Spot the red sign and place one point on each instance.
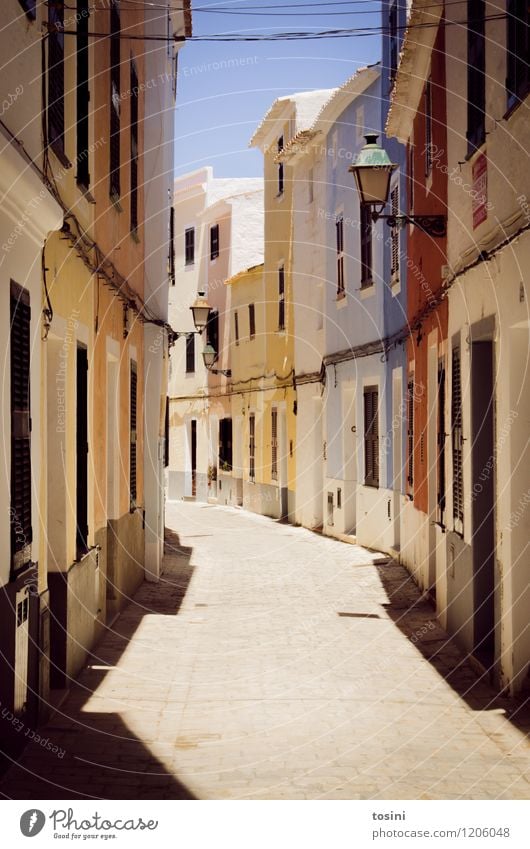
(479, 192)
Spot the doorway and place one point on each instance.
(483, 500)
(194, 457)
(82, 453)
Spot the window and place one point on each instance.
(189, 245)
(132, 436)
(394, 235)
(457, 443)
(236, 327)
(190, 353)
(310, 186)
(280, 167)
(428, 128)
(171, 257)
(115, 89)
(166, 435)
(366, 246)
(274, 444)
(339, 233)
(410, 437)
(440, 495)
(134, 148)
(214, 241)
(411, 179)
(251, 321)
(225, 445)
(212, 330)
(371, 436)
(81, 465)
(393, 42)
(252, 446)
(82, 94)
(476, 80)
(281, 298)
(20, 512)
(56, 80)
(29, 8)
(518, 51)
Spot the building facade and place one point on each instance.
(83, 304)
(472, 493)
(218, 233)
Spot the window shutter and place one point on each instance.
(476, 80)
(212, 330)
(236, 327)
(133, 443)
(281, 298)
(82, 93)
(517, 50)
(428, 128)
(274, 444)
(441, 443)
(252, 446)
(457, 442)
(56, 78)
(214, 241)
(394, 258)
(410, 435)
(366, 246)
(190, 353)
(280, 168)
(134, 150)
(371, 436)
(252, 320)
(115, 93)
(339, 231)
(189, 244)
(21, 528)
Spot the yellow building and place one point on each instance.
(287, 117)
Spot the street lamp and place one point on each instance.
(209, 356)
(372, 172)
(200, 310)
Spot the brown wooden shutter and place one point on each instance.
(476, 79)
(274, 444)
(82, 93)
(115, 94)
(371, 436)
(366, 246)
(133, 435)
(410, 435)
(134, 152)
(21, 528)
(252, 446)
(394, 252)
(441, 443)
(56, 78)
(457, 442)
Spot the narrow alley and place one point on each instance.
(271, 663)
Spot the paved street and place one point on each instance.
(271, 662)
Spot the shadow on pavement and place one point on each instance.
(95, 754)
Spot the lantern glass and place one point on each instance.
(372, 172)
(200, 311)
(209, 356)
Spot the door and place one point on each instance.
(82, 453)
(194, 457)
(483, 507)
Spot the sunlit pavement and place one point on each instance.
(270, 662)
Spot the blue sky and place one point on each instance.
(224, 89)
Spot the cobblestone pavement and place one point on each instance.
(271, 662)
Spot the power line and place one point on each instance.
(354, 32)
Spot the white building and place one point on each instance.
(488, 568)
(218, 233)
(159, 122)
